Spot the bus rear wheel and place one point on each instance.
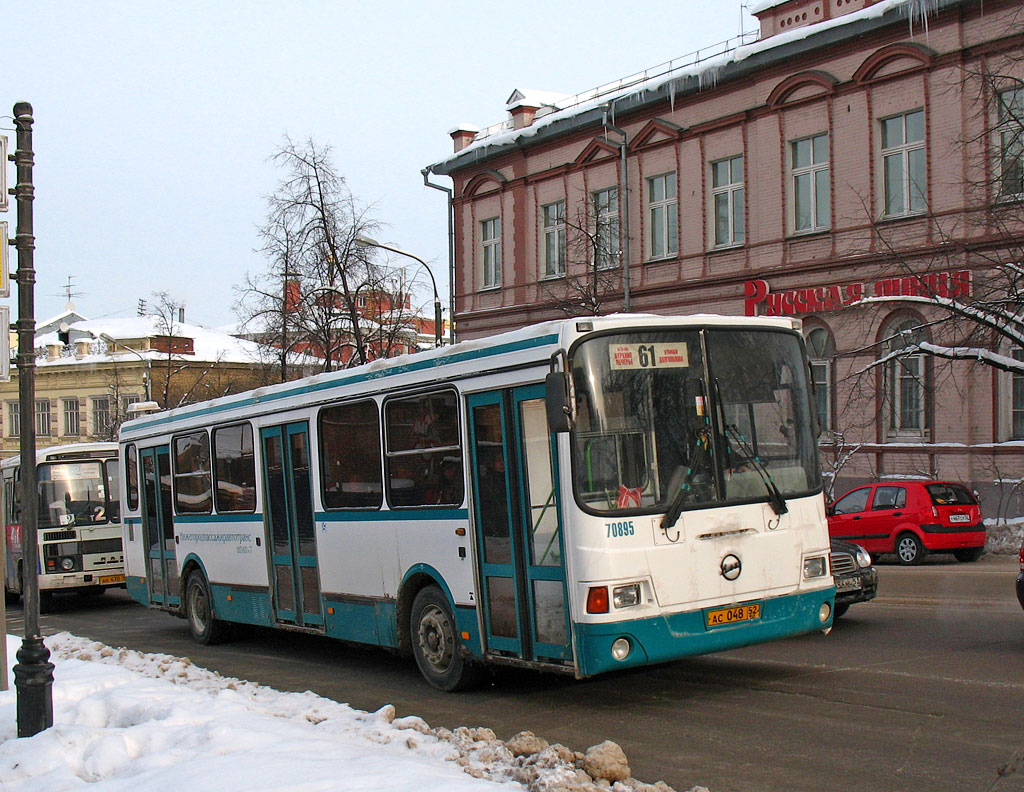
(204, 627)
(434, 643)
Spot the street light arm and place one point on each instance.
(148, 361)
(364, 241)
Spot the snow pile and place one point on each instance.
(1004, 537)
(124, 721)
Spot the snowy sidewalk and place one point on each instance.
(129, 721)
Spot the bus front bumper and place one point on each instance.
(673, 636)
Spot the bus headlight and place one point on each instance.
(626, 596)
(67, 564)
(621, 648)
(815, 567)
(824, 612)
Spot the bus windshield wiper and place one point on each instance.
(675, 508)
(775, 499)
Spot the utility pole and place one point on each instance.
(33, 673)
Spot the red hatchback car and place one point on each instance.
(910, 519)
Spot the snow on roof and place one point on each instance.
(696, 65)
(534, 98)
(764, 5)
(207, 345)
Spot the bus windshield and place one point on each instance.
(75, 493)
(695, 418)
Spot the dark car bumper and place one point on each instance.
(1020, 588)
(861, 586)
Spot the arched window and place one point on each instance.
(821, 349)
(904, 387)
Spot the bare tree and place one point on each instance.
(592, 256)
(322, 294)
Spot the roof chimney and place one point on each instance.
(463, 135)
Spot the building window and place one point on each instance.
(811, 205)
(821, 349)
(101, 416)
(664, 216)
(553, 215)
(727, 199)
(1017, 403)
(43, 417)
(71, 418)
(606, 228)
(903, 164)
(490, 235)
(13, 419)
(1011, 144)
(904, 380)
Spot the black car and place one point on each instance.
(856, 579)
(1020, 577)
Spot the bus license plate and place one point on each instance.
(109, 579)
(720, 616)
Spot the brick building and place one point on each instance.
(856, 148)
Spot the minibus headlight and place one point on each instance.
(815, 567)
(621, 648)
(824, 612)
(67, 564)
(626, 596)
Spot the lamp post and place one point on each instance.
(33, 673)
(113, 342)
(365, 241)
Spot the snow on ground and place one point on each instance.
(1004, 536)
(127, 721)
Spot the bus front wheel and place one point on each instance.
(434, 642)
(204, 627)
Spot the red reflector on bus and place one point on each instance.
(597, 600)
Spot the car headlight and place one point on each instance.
(863, 557)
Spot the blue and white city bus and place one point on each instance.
(576, 496)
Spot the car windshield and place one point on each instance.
(719, 415)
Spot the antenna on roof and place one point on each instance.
(69, 293)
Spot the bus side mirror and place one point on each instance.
(558, 402)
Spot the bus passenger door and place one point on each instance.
(518, 526)
(289, 520)
(158, 526)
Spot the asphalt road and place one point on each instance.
(922, 689)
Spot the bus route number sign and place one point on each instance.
(722, 616)
(648, 356)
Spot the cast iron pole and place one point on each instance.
(33, 673)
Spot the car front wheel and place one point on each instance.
(909, 549)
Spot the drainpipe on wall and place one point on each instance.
(609, 112)
(451, 251)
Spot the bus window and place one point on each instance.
(131, 463)
(350, 456)
(424, 457)
(193, 491)
(236, 468)
(113, 469)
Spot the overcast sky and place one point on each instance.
(154, 122)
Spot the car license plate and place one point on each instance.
(738, 613)
(850, 584)
(959, 518)
(106, 580)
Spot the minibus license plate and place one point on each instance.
(108, 579)
(720, 616)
